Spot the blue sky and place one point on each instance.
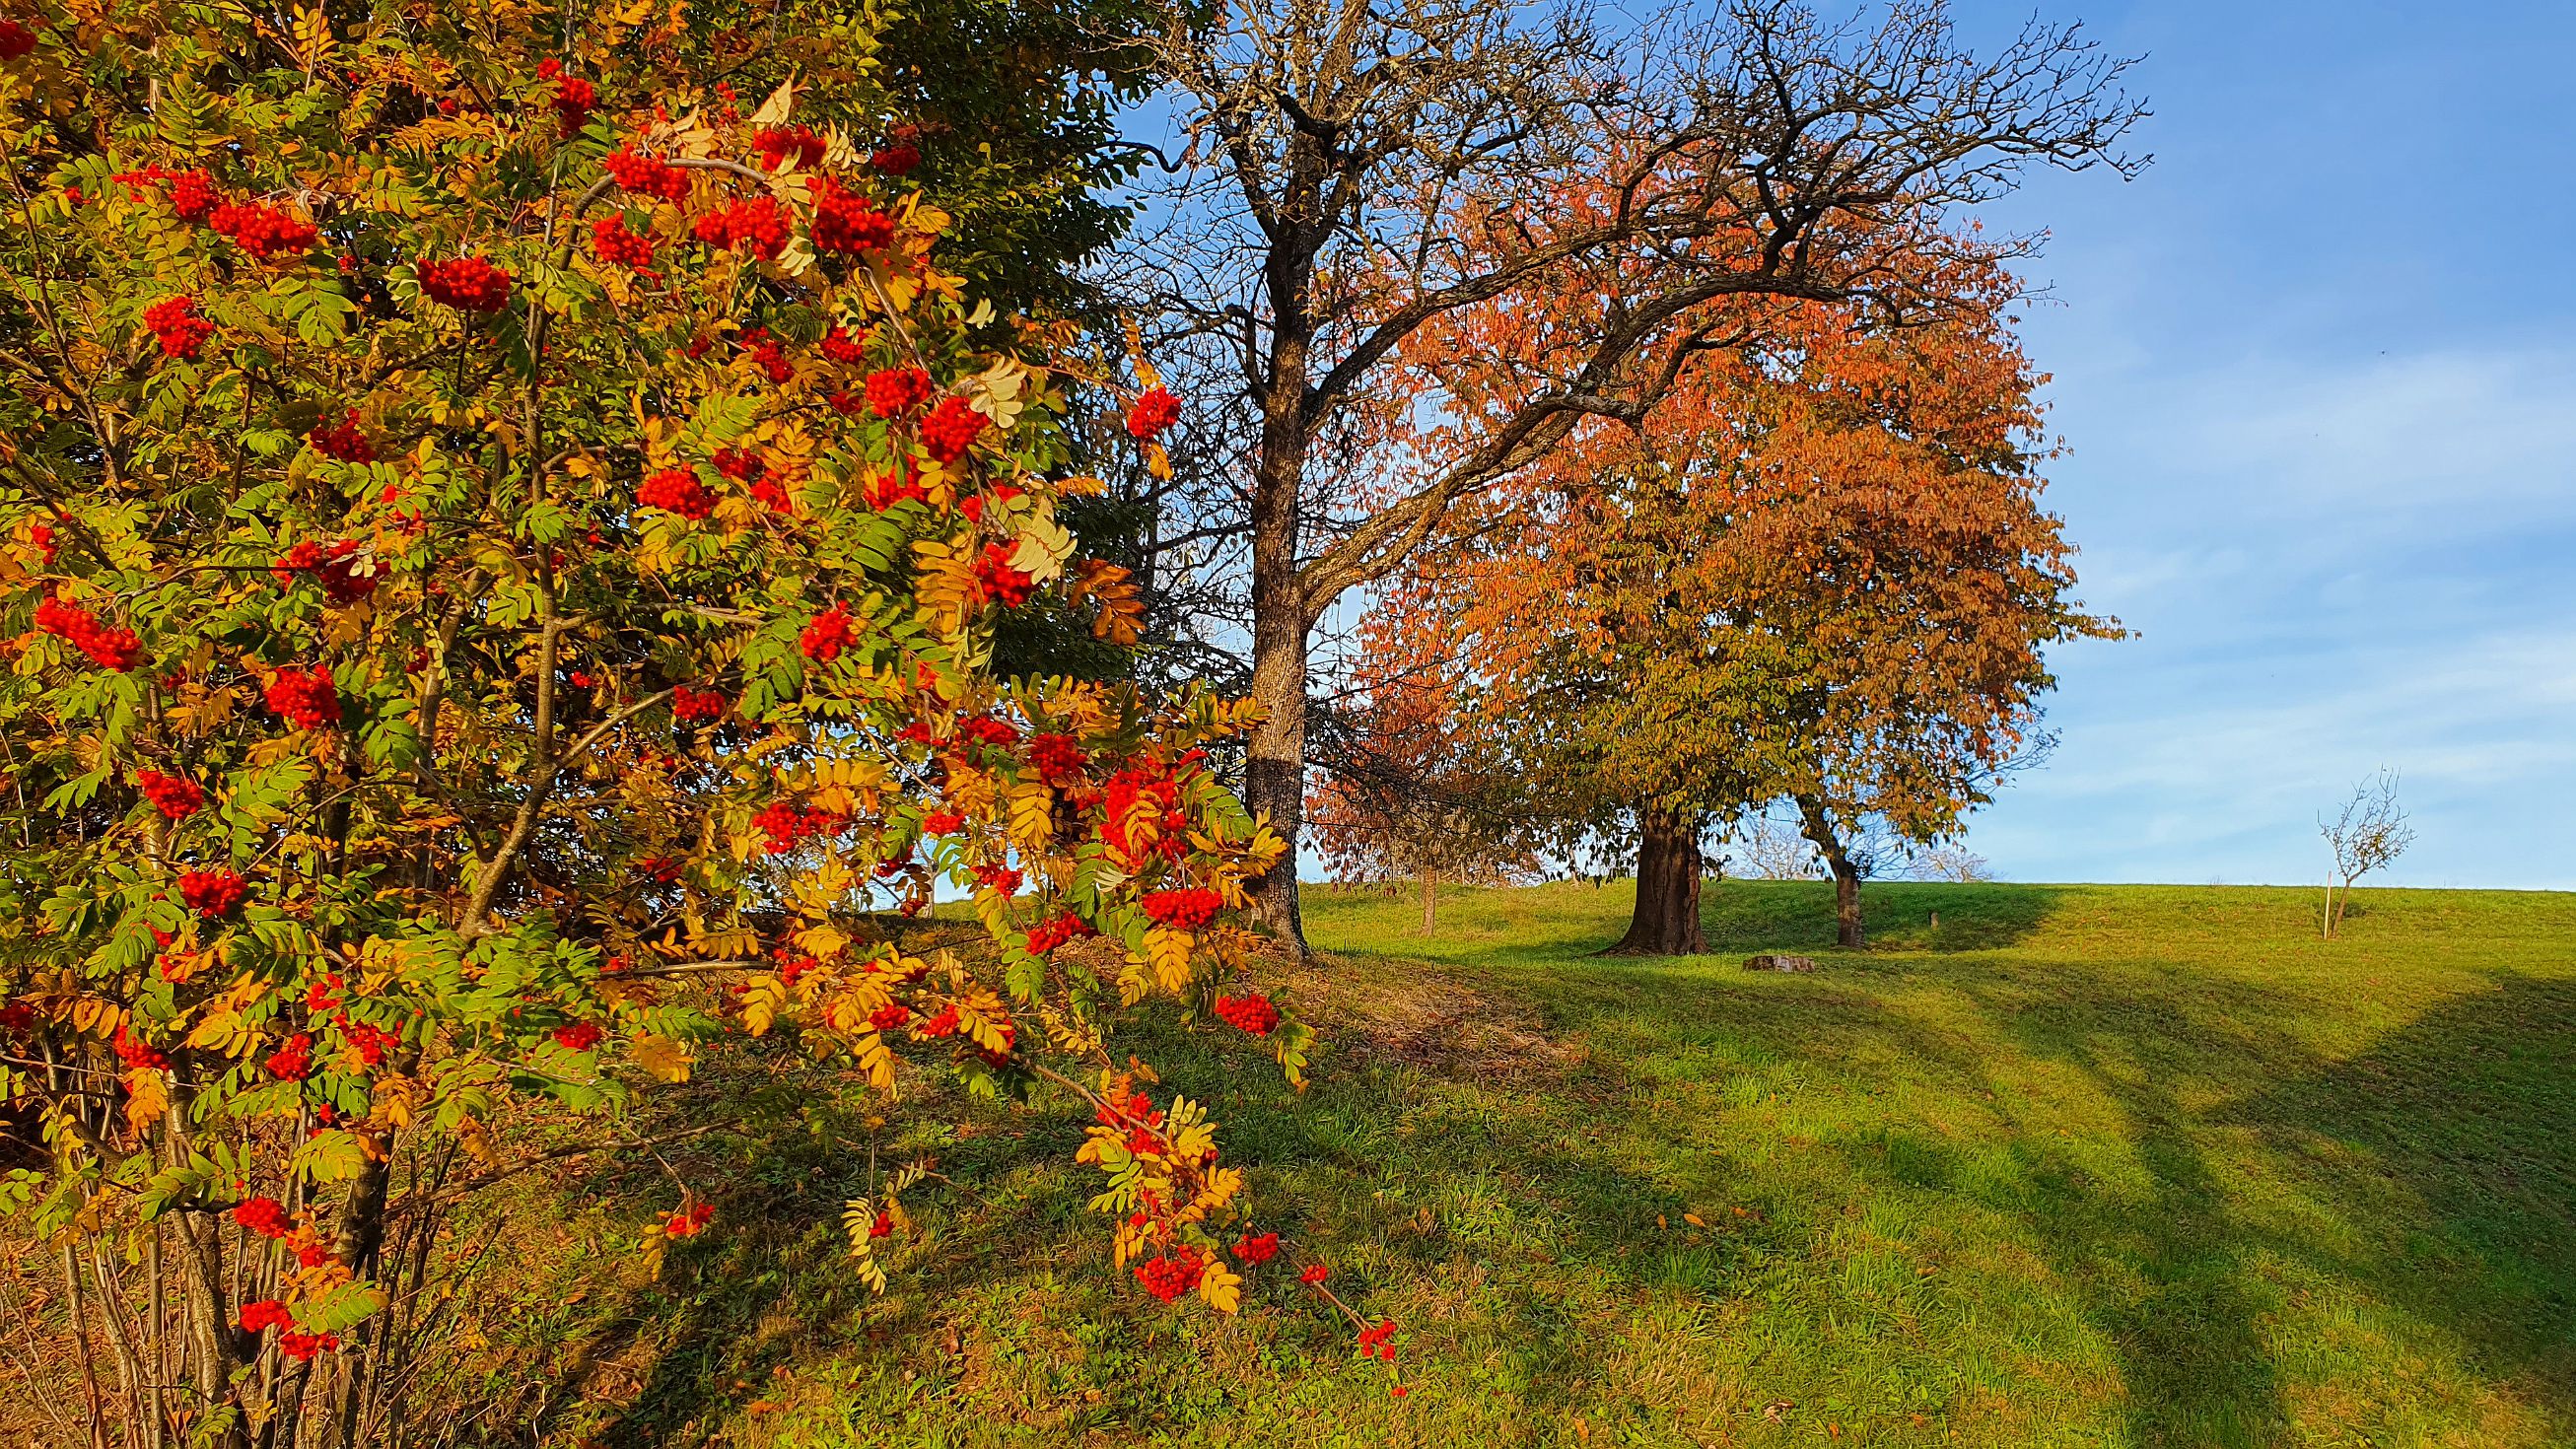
(2318, 371)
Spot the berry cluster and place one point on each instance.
(696, 706)
(1059, 761)
(789, 826)
(107, 646)
(767, 354)
(1373, 1341)
(1000, 879)
(177, 327)
(1184, 910)
(304, 697)
(1252, 1013)
(263, 231)
(689, 1221)
(265, 1216)
(335, 568)
(293, 1060)
(572, 102)
(896, 159)
(825, 635)
(137, 1054)
(1170, 1276)
(1153, 412)
(842, 345)
(845, 221)
(759, 226)
(942, 822)
(1002, 581)
(612, 243)
(579, 1036)
(213, 894)
(302, 1346)
(175, 796)
(780, 145)
(647, 175)
(1047, 935)
(1256, 1250)
(468, 284)
(890, 1016)
(676, 490)
(951, 429)
(15, 40)
(897, 390)
(368, 1040)
(267, 1313)
(1143, 816)
(885, 490)
(343, 441)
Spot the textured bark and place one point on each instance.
(1666, 921)
(1430, 900)
(1848, 931)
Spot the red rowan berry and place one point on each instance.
(612, 243)
(468, 284)
(1153, 412)
(779, 145)
(1002, 581)
(647, 175)
(676, 490)
(825, 635)
(847, 222)
(1254, 1014)
(896, 159)
(264, 1216)
(213, 894)
(305, 698)
(897, 390)
(176, 797)
(951, 429)
(580, 1036)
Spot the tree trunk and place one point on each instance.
(1275, 770)
(1666, 922)
(1848, 932)
(1430, 899)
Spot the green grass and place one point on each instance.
(2078, 1165)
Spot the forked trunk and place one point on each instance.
(1848, 932)
(1666, 922)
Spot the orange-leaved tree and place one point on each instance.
(502, 552)
(1817, 570)
(1415, 786)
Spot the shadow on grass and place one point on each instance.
(1748, 916)
(2455, 1139)
(2442, 1161)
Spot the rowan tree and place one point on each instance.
(504, 544)
(1819, 571)
(1358, 172)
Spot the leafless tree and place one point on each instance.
(2368, 833)
(1353, 172)
(1767, 849)
(1949, 861)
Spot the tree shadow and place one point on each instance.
(1748, 916)
(2449, 1148)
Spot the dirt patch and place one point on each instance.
(1426, 1017)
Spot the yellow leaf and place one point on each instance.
(1168, 951)
(774, 111)
(1221, 1287)
(1694, 1220)
(663, 1057)
(1032, 814)
(147, 1096)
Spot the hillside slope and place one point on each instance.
(2080, 1166)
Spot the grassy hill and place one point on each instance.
(2076, 1165)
